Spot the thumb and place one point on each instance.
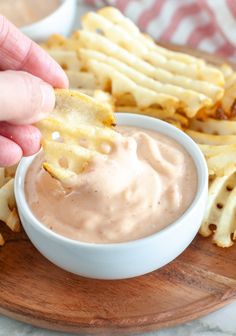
(24, 98)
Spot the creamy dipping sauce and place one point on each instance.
(144, 184)
(25, 12)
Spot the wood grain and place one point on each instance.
(33, 290)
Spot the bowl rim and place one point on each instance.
(34, 23)
(202, 184)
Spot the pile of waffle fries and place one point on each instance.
(124, 70)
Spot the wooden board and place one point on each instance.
(33, 290)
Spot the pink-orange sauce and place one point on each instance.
(145, 183)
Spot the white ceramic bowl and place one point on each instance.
(58, 22)
(128, 259)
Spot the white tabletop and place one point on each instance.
(220, 323)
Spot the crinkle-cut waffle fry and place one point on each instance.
(189, 101)
(180, 119)
(77, 128)
(177, 83)
(97, 23)
(220, 210)
(117, 18)
(121, 84)
(226, 70)
(104, 98)
(68, 60)
(65, 160)
(229, 99)
(101, 96)
(213, 126)
(81, 80)
(59, 42)
(76, 108)
(10, 171)
(8, 213)
(220, 162)
(219, 158)
(6, 174)
(211, 139)
(92, 137)
(210, 151)
(164, 71)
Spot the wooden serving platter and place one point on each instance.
(33, 290)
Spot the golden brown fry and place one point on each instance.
(229, 99)
(189, 100)
(8, 213)
(81, 80)
(93, 22)
(59, 42)
(68, 60)
(116, 17)
(120, 85)
(76, 129)
(214, 126)
(221, 209)
(210, 139)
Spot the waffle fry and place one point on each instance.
(188, 100)
(68, 60)
(210, 139)
(220, 210)
(81, 80)
(94, 22)
(8, 212)
(127, 63)
(59, 42)
(117, 18)
(120, 85)
(192, 94)
(159, 76)
(217, 140)
(82, 126)
(219, 158)
(213, 126)
(229, 99)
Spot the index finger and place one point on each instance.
(18, 52)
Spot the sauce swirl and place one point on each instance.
(145, 183)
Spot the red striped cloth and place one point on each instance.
(208, 25)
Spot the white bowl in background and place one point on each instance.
(127, 259)
(60, 21)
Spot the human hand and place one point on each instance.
(27, 77)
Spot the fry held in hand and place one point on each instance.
(76, 129)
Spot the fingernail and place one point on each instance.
(48, 98)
